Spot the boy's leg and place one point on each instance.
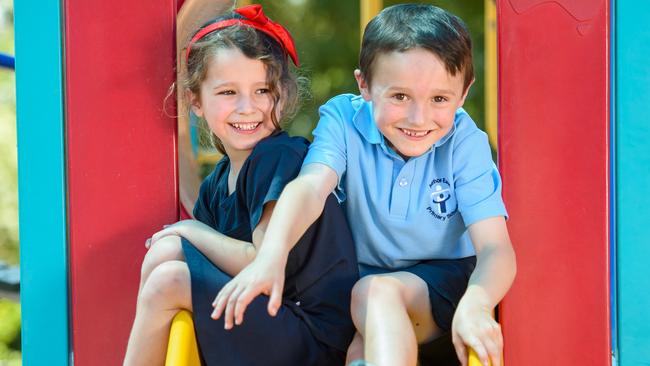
(165, 292)
(355, 350)
(392, 313)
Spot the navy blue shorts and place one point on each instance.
(446, 280)
(261, 339)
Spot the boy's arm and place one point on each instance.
(495, 270)
(230, 255)
(300, 204)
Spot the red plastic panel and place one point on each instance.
(122, 180)
(554, 155)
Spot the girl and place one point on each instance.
(238, 80)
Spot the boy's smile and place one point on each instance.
(414, 99)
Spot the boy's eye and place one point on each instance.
(400, 97)
(439, 99)
(226, 92)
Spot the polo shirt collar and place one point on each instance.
(365, 123)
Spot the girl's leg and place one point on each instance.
(166, 249)
(392, 313)
(165, 292)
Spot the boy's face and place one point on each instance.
(414, 99)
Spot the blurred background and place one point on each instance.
(9, 299)
(327, 34)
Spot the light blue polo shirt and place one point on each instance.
(402, 212)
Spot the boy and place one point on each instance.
(420, 190)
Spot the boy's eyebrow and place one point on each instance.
(434, 91)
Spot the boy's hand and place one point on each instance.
(265, 275)
(180, 228)
(473, 326)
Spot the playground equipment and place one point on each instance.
(98, 173)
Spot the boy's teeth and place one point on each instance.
(415, 133)
(245, 126)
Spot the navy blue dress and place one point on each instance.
(313, 326)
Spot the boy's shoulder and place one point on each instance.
(346, 103)
(464, 126)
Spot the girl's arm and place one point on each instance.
(230, 255)
(495, 270)
(300, 204)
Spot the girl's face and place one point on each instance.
(236, 102)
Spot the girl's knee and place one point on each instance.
(168, 285)
(166, 249)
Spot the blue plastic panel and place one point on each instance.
(633, 179)
(41, 183)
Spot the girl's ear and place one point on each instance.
(364, 88)
(195, 103)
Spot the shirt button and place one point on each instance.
(298, 303)
(403, 182)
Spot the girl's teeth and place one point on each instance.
(245, 126)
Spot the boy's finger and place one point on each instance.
(220, 301)
(228, 317)
(494, 351)
(147, 243)
(245, 298)
(275, 299)
(480, 350)
(461, 351)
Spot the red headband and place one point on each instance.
(254, 17)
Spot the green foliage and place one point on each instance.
(8, 157)
(9, 332)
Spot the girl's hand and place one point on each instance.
(473, 326)
(263, 276)
(180, 228)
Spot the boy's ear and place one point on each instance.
(364, 88)
(462, 100)
(195, 103)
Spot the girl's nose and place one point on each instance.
(245, 105)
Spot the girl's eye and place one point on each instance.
(226, 92)
(439, 99)
(400, 97)
(263, 91)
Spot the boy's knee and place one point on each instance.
(375, 288)
(166, 284)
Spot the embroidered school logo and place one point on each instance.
(442, 204)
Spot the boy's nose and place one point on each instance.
(417, 115)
